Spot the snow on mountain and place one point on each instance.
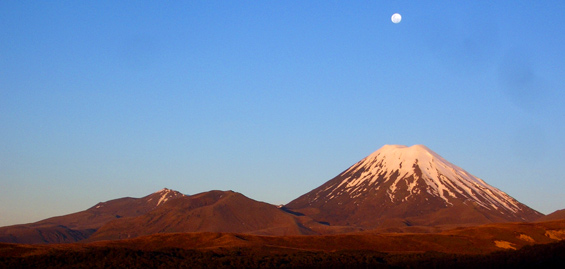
(164, 195)
(442, 178)
(407, 182)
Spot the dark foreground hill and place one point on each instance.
(516, 245)
(536, 256)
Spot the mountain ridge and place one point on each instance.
(81, 225)
(394, 189)
(167, 211)
(212, 211)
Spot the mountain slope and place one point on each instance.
(213, 211)
(78, 226)
(557, 215)
(404, 186)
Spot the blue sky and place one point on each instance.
(106, 99)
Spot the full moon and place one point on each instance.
(396, 18)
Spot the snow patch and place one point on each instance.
(166, 194)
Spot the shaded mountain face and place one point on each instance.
(405, 186)
(78, 226)
(214, 211)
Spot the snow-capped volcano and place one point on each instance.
(413, 185)
(441, 178)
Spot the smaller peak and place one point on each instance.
(165, 194)
(164, 190)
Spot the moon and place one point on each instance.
(396, 18)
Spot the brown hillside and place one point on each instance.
(214, 211)
(557, 215)
(78, 226)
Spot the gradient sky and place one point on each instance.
(107, 99)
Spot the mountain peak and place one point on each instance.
(397, 176)
(164, 195)
(417, 162)
(403, 153)
(417, 147)
(165, 190)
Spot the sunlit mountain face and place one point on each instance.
(404, 186)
